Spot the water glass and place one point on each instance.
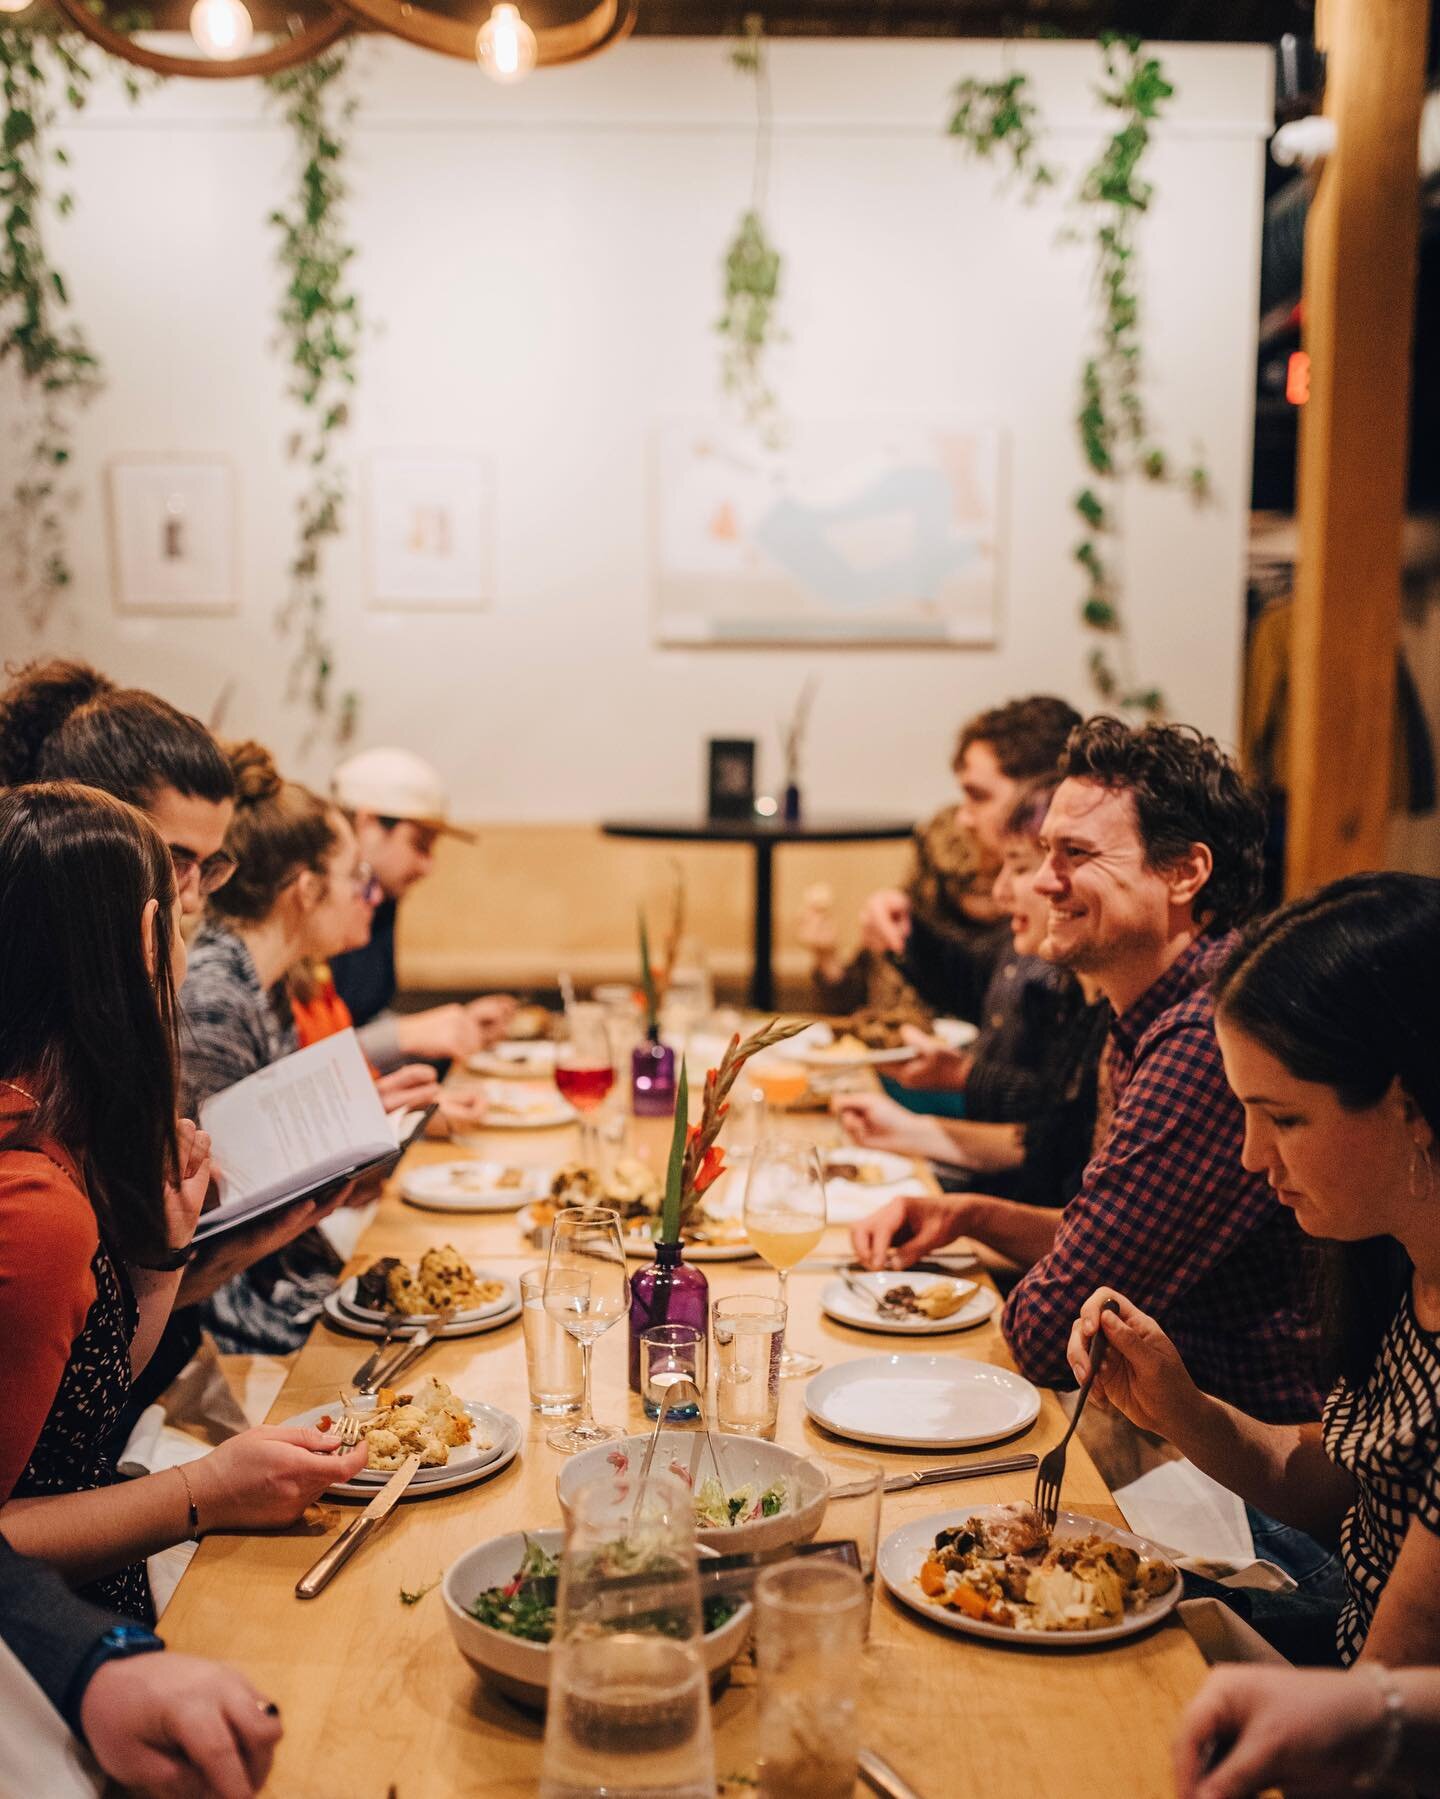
(586, 1291)
(670, 1353)
(629, 1710)
(852, 1512)
(552, 1356)
(749, 1333)
(809, 1636)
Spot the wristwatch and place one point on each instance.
(177, 1258)
(120, 1641)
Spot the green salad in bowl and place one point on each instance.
(525, 1605)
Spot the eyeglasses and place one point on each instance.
(367, 884)
(213, 872)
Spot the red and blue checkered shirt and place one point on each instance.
(1167, 1216)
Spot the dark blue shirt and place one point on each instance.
(365, 978)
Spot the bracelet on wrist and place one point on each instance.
(1392, 1729)
(193, 1533)
(177, 1258)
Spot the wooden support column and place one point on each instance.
(1360, 251)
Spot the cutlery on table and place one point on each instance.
(878, 1298)
(372, 1362)
(721, 1576)
(881, 1778)
(357, 1530)
(935, 1477)
(406, 1357)
(1052, 1470)
(681, 1391)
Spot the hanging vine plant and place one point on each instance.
(749, 326)
(320, 321)
(1114, 429)
(58, 371)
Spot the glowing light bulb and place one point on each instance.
(14, 5)
(222, 28)
(505, 46)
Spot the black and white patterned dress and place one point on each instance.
(73, 1451)
(1386, 1433)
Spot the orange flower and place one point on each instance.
(712, 1166)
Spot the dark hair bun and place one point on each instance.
(256, 776)
(41, 696)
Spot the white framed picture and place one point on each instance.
(430, 528)
(173, 534)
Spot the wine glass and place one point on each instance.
(586, 1290)
(585, 1070)
(785, 1216)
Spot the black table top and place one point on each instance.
(813, 828)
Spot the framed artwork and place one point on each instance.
(850, 534)
(173, 534)
(430, 522)
(730, 788)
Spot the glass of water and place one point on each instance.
(749, 1335)
(629, 1711)
(586, 1291)
(809, 1638)
(552, 1356)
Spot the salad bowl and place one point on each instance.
(768, 1497)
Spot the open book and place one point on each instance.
(300, 1126)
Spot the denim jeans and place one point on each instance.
(1302, 1624)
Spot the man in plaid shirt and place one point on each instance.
(1152, 857)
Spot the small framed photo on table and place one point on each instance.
(173, 534)
(732, 777)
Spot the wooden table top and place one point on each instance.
(377, 1702)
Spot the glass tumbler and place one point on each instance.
(552, 1356)
(749, 1334)
(809, 1635)
(670, 1353)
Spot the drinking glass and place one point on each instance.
(585, 1069)
(670, 1353)
(749, 1334)
(629, 1710)
(552, 1356)
(586, 1290)
(785, 1216)
(689, 995)
(809, 1638)
(852, 1511)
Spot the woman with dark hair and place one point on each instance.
(99, 1194)
(65, 721)
(1325, 1014)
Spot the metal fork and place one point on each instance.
(1051, 1473)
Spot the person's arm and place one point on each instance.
(878, 1122)
(1405, 1629)
(1022, 1234)
(380, 1040)
(155, 1288)
(1160, 1204)
(985, 1148)
(908, 1229)
(50, 1631)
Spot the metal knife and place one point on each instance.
(407, 1355)
(878, 1775)
(357, 1530)
(372, 1362)
(934, 1477)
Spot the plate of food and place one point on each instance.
(530, 1024)
(840, 1047)
(908, 1305)
(767, 1497)
(416, 1292)
(955, 1033)
(500, 1605)
(473, 1186)
(516, 1106)
(921, 1401)
(633, 1188)
(343, 1320)
(508, 1061)
(992, 1571)
(456, 1440)
(868, 1169)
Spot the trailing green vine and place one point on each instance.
(39, 70)
(1114, 429)
(320, 319)
(748, 326)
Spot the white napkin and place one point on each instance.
(344, 1229)
(1178, 1506)
(38, 1755)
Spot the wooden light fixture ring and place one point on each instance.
(328, 29)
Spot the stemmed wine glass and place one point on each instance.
(586, 1290)
(585, 1070)
(785, 1216)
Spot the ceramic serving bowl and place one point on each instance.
(520, 1669)
(744, 1462)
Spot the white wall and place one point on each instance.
(541, 270)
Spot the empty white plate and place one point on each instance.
(847, 1307)
(921, 1401)
(474, 1186)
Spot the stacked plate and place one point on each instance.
(474, 1186)
(921, 1402)
(494, 1444)
(343, 1308)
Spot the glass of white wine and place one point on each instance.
(586, 1290)
(785, 1216)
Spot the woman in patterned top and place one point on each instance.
(99, 1194)
(1326, 1014)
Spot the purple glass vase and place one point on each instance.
(666, 1291)
(652, 1081)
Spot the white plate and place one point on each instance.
(811, 1050)
(848, 1308)
(470, 1187)
(955, 1033)
(344, 1320)
(889, 1168)
(640, 1246)
(921, 1401)
(466, 1459)
(903, 1553)
(511, 1107)
(515, 1061)
(506, 1434)
(419, 1320)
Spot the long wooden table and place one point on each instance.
(378, 1704)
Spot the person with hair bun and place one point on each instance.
(100, 1191)
(65, 721)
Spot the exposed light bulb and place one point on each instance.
(505, 46)
(222, 28)
(14, 5)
